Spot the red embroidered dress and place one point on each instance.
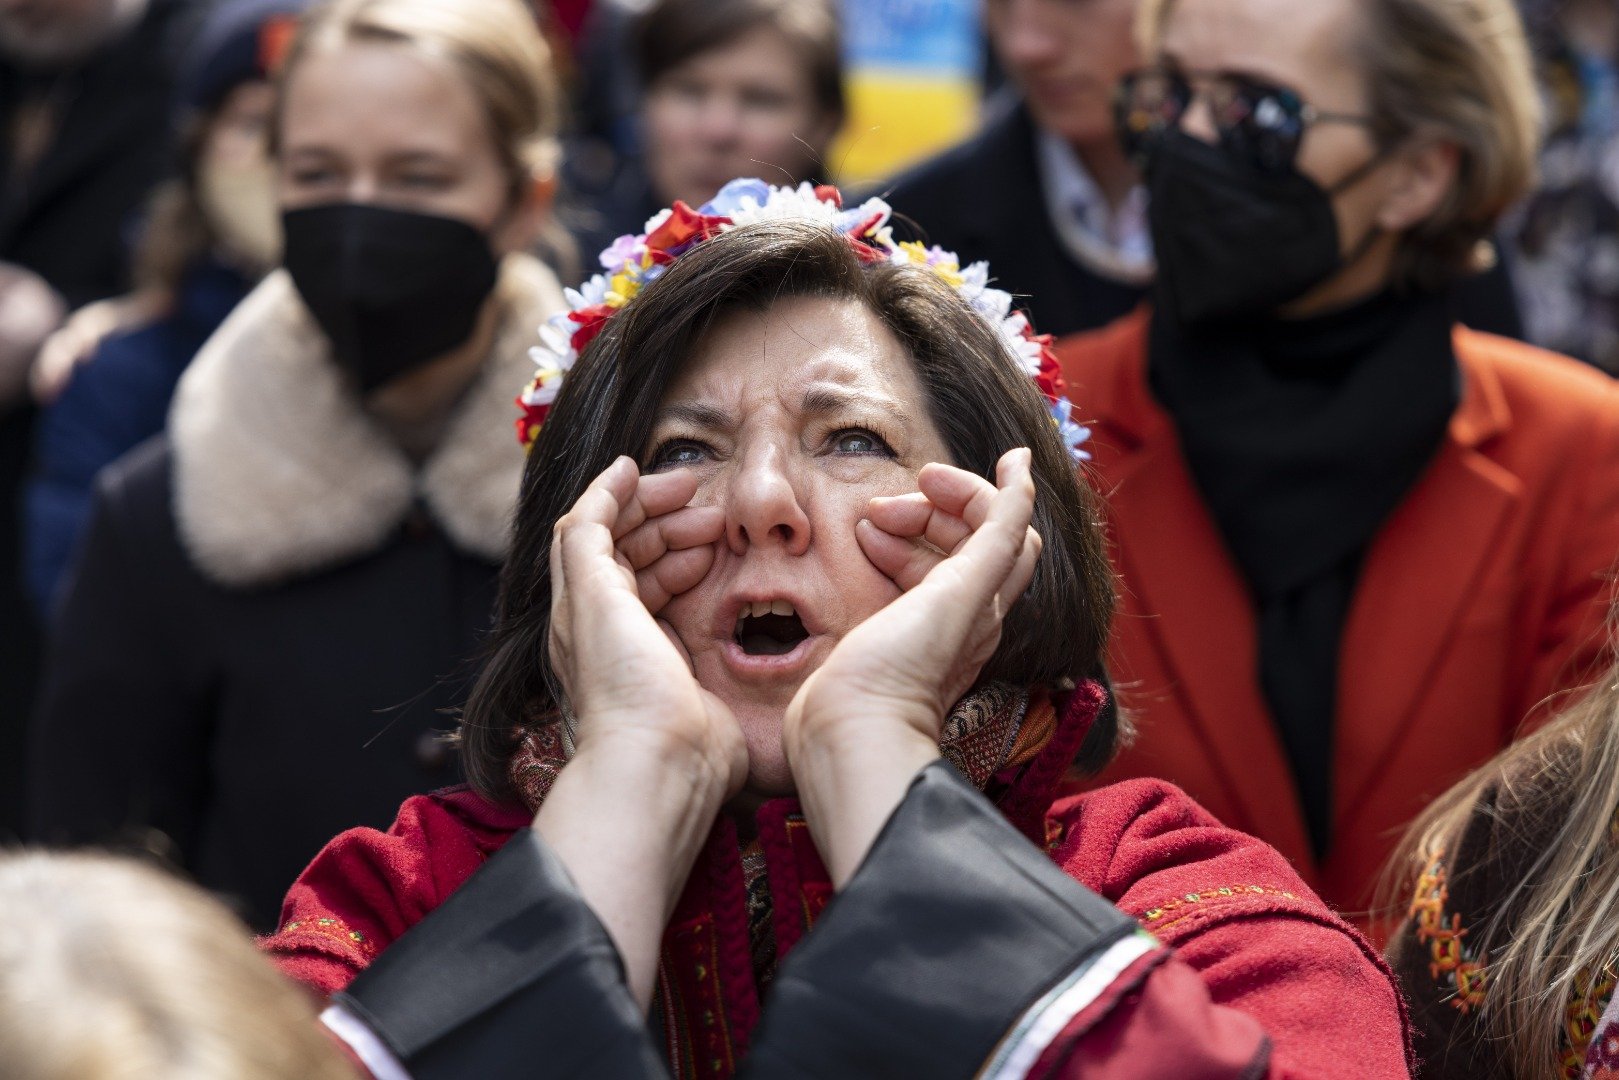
(1251, 942)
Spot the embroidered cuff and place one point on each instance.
(944, 950)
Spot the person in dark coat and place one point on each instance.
(212, 232)
(1045, 192)
(281, 593)
(85, 93)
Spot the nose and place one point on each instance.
(763, 506)
(363, 187)
(1198, 120)
(719, 122)
(1024, 36)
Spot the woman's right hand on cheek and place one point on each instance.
(655, 754)
(628, 546)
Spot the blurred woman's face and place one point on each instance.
(380, 124)
(1308, 48)
(745, 108)
(792, 419)
(236, 183)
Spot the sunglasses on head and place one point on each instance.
(1258, 122)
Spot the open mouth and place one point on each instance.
(769, 628)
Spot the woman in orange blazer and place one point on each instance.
(1359, 546)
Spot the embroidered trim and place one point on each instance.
(335, 929)
(1208, 896)
(1586, 1005)
(1451, 962)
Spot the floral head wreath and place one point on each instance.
(634, 261)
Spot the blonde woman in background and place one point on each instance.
(273, 604)
(1509, 885)
(112, 970)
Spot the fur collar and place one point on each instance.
(278, 472)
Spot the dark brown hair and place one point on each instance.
(670, 32)
(978, 398)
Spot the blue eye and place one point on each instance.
(678, 453)
(856, 441)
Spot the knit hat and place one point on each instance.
(240, 40)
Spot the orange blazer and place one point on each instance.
(1480, 600)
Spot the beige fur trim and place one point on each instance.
(278, 472)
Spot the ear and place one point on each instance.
(1419, 180)
(528, 218)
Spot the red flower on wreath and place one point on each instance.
(591, 320)
(681, 229)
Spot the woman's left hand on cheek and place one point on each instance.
(868, 719)
(964, 552)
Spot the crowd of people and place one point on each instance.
(1131, 595)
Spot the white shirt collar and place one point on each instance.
(1115, 244)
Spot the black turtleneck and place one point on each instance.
(1303, 436)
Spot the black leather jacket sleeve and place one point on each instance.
(513, 976)
(953, 929)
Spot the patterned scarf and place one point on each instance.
(990, 730)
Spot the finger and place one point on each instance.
(1017, 582)
(688, 527)
(982, 565)
(915, 516)
(582, 539)
(654, 495)
(675, 573)
(905, 562)
(604, 500)
(957, 492)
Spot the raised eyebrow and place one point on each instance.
(700, 416)
(819, 400)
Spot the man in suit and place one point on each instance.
(1044, 191)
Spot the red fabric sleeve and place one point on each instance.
(1239, 916)
(1165, 1027)
(366, 888)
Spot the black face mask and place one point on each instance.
(391, 289)
(1233, 242)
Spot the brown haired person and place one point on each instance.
(792, 649)
(714, 89)
(284, 588)
(1358, 544)
(1507, 888)
(1045, 192)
